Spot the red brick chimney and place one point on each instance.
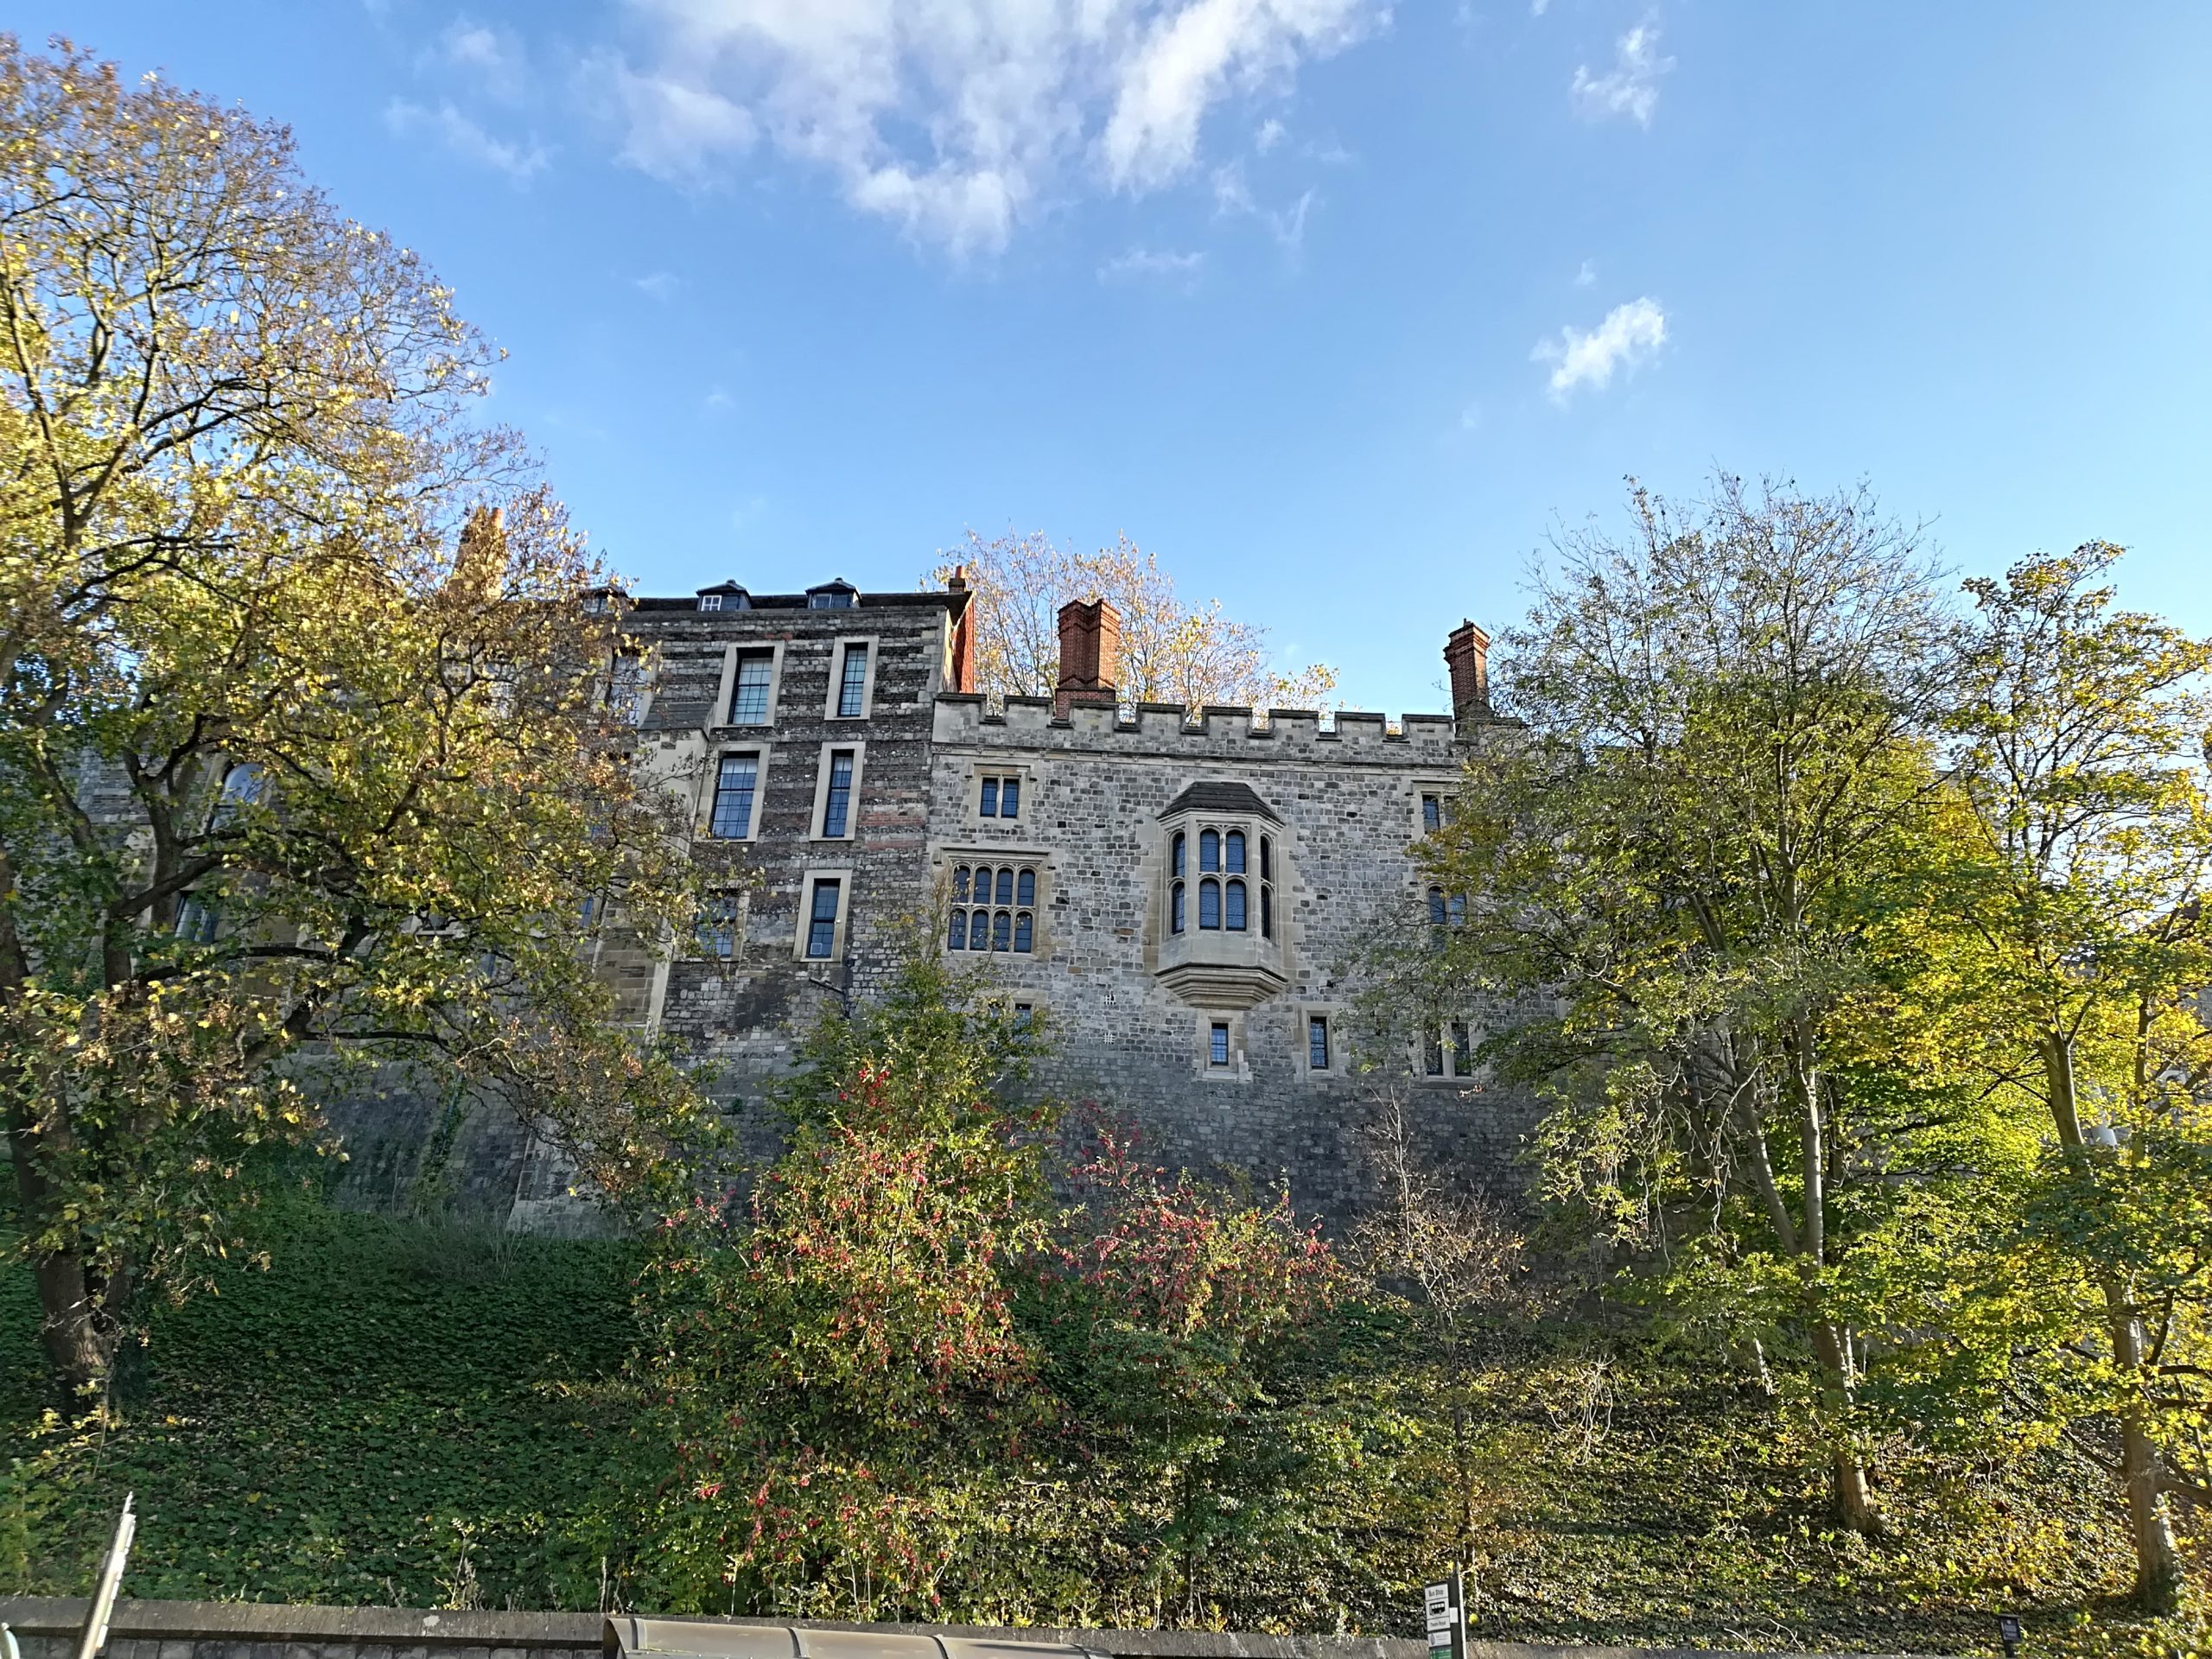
(962, 670)
(1090, 654)
(1467, 656)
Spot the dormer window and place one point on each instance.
(838, 595)
(725, 596)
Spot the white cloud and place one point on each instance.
(1270, 134)
(717, 401)
(1538, 8)
(1587, 275)
(1232, 198)
(1631, 87)
(465, 138)
(659, 286)
(493, 57)
(1141, 263)
(673, 127)
(1627, 338)
(957, 119)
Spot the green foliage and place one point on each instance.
(305, 750)
(840, 1369)
(902, 1379)
(389, 1400)
(346, 1427)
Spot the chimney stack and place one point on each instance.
(959, 668)
(1466, 657)
(1090, 654)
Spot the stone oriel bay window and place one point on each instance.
(1219, 922)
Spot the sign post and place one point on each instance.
(2008, 1632)
(1445, 1607)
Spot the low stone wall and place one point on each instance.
(47, 1628)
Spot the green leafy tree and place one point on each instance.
(1667, 862)
(2080, 907)
(301, 758)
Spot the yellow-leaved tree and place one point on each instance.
(1170, 652)
(304, 749)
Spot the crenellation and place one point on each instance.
(1039, 841)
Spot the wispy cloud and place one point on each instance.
(1628, 338)
(1631, 87)
(1141, 264)
(956, 119)
(464, 138)
(1233, 197)
(491, 56)
(1588, 276)
(1271, 132)
(659, 286)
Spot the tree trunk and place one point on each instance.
(1851, 1491)
(78, 1308)
(77, 1327)
(2158, 1568)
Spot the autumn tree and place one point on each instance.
(837, 1354)
(2081, 907)
(1717, 749)
(302, 755)
(1170, 652)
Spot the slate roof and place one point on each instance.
(1220, 798)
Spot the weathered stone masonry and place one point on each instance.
(1133, 1025)
(1039, 840)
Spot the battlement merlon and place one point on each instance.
(1029, 723)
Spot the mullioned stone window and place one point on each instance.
(994, 908)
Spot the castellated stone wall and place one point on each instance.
(1133, 1025)
(1202, 1036)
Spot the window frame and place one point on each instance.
(817, 823)
(1420, 790)
(810, 881)
(639, 691)
(713, 792)
(1238, 1067)
(840, 650)
(1332, 1016)
(740, 907)
(1030, 869)
(726, 695)
(972, 777)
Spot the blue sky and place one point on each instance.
(1340, 309)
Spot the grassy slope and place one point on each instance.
(338, 1428)
(346, 1428)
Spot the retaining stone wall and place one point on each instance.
(46, 1629)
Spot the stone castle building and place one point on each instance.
(1177, 895)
